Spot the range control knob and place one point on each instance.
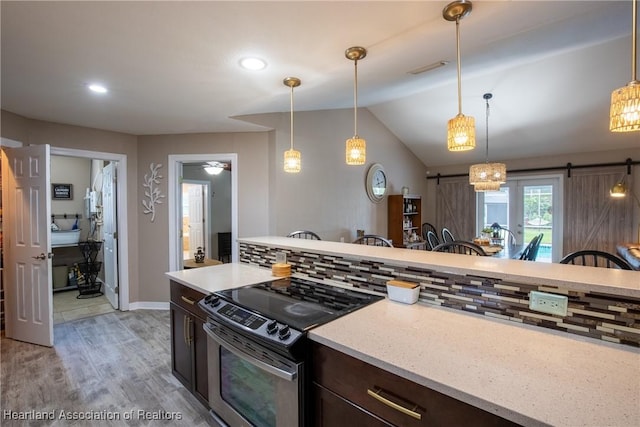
(284, 332)
(272, 327)
(213, 300)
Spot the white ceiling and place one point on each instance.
(172, 67)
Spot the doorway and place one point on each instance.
(112, 204)
(223, 215)
(528, 206)
(85, 271)
(195, 218)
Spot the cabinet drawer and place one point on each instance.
(187, 298)
(397, 400)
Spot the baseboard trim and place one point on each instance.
(148, 305)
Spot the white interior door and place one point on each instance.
(27, 240)
(109, 228)
(196, 218)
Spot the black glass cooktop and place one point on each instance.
(299, 303)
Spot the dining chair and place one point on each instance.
(460, 247)
(304, 234)
(507, 236)
(530, 253)
(594, 258)
(447, 236)
(373, 240)
(432, 239)
(426, 227)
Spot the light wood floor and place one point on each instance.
(67, 307)
(113, 363)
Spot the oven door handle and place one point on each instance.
(289, 376)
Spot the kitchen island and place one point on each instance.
(519, 372)
(526, 374)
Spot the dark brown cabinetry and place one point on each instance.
(404, 219)
(188, 341)
(347, 388)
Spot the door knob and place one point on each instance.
(41, 256)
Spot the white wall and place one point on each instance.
(75, 171)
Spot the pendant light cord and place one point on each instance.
(291, 117)
(458, 61)
(487, 128)
(634, 41)
(355, 99)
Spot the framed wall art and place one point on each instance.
(62, 191)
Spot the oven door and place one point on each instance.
(250, 385)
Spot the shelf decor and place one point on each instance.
(152, 192)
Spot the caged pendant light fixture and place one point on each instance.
(356, 149)
(487, 176)
(292, 158)
(624, 115)
(461, 130)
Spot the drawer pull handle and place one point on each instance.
(187, 300)
(412, 413)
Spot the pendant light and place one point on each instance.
(620, 189)
(487, 176)
(292, 158)
(624, 115)
(356, 150)
(461, 130)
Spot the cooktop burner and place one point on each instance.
(299, 303)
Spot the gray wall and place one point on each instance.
(327, 196)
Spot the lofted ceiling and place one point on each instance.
(172, 67)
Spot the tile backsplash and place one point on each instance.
(607, 317)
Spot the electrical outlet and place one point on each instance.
(548, 303)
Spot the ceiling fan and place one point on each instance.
(215, 168)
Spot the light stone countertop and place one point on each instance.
(523, 373)
(578, 278)
(530, 375)
(221, 277)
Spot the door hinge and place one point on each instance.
(115, 235)
(116, 289)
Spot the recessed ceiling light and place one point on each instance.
(97, 88)
(253, 64)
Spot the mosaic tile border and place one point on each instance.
(607, 317)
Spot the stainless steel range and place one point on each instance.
(257, 347)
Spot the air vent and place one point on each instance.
(429, 67)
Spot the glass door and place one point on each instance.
(527, 206)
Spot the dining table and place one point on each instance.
(508, 251)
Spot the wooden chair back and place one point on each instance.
(304, 234)
(460, 247)
(373, 240)
(595, 258)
